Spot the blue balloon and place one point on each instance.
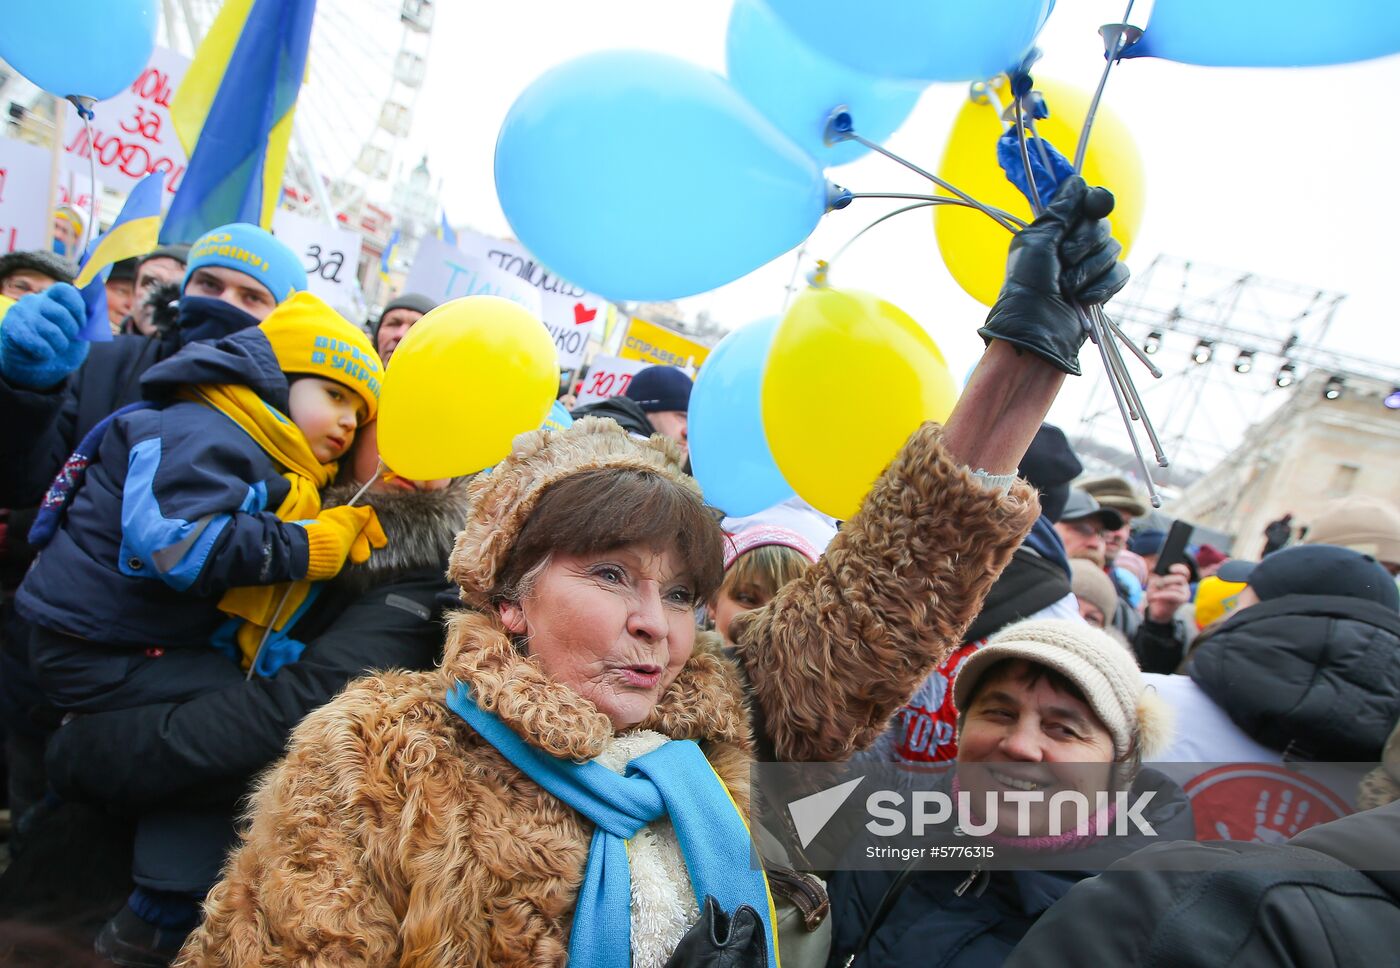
(90, 48)
(928, 40)
(642, 177)
(1270, 33)
(728, 450)
(798, 88)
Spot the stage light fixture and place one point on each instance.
(1333, 389)
(1287, 374)
(1153, 343)
(1245, 363)
(1204, 350)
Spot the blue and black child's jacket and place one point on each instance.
(177, 508)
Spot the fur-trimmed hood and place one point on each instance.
(420, 525)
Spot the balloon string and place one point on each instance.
(1114, 49)
(994, 214)
(252, 666)
(85, 112)
(888, 215)
(1018, 223)
(1036, 205)
(1039, 143)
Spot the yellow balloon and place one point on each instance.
(468, 377)
(849, 377)
(973, 246)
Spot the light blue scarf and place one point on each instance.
(674, 781)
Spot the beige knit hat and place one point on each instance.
(1103, 670)
(1088, 582)
(502, 500)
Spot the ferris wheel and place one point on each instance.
(366, 66)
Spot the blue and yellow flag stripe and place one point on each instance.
(233, 113)
(133, 233)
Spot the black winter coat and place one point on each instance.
(973, 918)
(381, 615)
(1317, 675)
(43, 427)
(626, 411)
(1309, 903)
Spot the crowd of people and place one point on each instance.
(265, 701)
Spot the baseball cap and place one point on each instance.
(1315, 570)
(1082, 504)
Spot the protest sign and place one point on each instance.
(608, 376)
(131, 134)
(567, 310)
(24, 211)
(658, 345)
(330, 255)
(442, 272)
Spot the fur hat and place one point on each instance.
(1104, 671)
(502, 500)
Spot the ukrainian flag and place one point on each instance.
(387, 259)
(233, 113)
(446, 232)
(132, 234)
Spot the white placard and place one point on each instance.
(330, 255)
(441, 272)
(608, 376)
(131, 134)
(24, 196)
(569, 312)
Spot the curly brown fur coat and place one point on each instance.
(392, 834)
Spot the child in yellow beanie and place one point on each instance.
(200, 513)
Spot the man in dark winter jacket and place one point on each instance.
(656, 401)
(382, 614)
(1328, 898)
(1308, 665)
(155, 270)
(55, 386)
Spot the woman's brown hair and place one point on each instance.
(599, 510)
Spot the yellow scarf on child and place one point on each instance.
(262, 606)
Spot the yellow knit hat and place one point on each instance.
(310, 337)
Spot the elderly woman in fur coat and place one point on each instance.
(571, 783)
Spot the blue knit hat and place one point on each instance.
(659, 389)
(248, 249)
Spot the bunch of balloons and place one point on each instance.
(643, 177)
(82, 48)
(816, 403)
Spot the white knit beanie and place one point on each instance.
(1104, 671)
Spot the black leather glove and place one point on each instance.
(719, 941)
(1065, 257)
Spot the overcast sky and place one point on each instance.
(1285, 173)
